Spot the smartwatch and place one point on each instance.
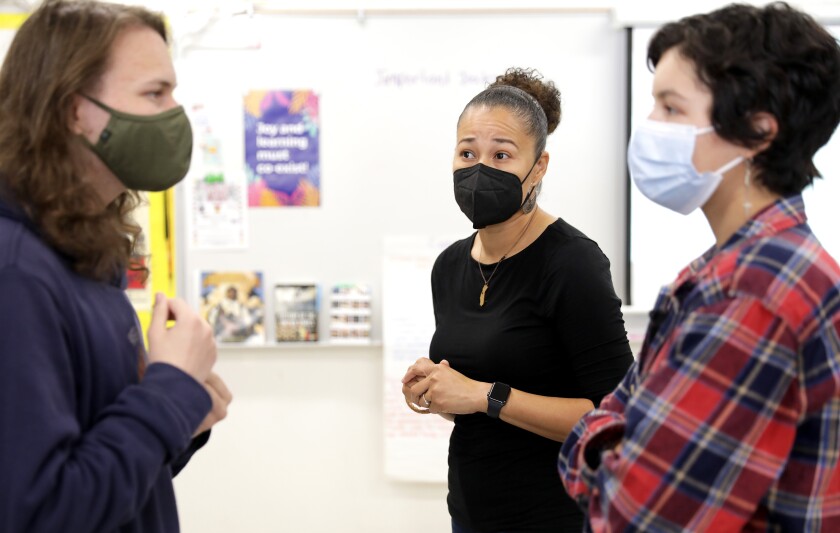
(497, 398)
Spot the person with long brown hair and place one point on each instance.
(92, 426)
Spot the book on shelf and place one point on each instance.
(350, 313)
(233, 303)
(296, 309)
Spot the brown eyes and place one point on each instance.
(466, 154)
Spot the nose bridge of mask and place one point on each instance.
(688, 134)
(481, 176)
(674, 129)
(665, 141)
(480, 169)
(177, 110)
(496, 175)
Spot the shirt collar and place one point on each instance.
(782, 214)
(11, 210)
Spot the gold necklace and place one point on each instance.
(480, 271)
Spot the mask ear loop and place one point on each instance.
(747, 203)
(530, 202)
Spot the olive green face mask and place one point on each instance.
(145, 152)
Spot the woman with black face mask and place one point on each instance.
(529, 332)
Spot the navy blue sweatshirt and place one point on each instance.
(84, 445)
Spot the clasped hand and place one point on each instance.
(441, 389)
(188, 345)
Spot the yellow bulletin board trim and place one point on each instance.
(161, 241)
(12, 21)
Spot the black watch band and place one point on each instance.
(497, 398)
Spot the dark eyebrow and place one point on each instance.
(500, 140)
(669, 92)
(166, 84)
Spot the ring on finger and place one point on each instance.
(428, 403)
(417, 408)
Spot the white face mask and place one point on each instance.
(659, 157)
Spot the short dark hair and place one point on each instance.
(533, 100)
(772, 59)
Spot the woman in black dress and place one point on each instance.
(529, 333)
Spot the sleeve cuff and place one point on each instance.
(602, 438)
(185, 399)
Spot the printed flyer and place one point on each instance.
(350, 313)
(296, 313)
(217, 202)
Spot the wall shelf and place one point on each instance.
(287, 346)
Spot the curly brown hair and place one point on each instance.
(61, 51)
(544, 92)
(523, 91)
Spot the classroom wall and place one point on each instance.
(302, 449)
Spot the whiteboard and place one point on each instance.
(663, 242)
(391, 88)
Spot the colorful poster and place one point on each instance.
(282, 143)
(234, 305)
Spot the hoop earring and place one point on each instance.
(531, 202)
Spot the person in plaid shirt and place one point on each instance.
(730, 418)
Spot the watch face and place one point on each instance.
(499, 392)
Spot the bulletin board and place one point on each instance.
(390, 89)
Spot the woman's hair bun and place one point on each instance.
(544, 92)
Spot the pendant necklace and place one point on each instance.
(480, 271)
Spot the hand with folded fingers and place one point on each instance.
(444, 390)
(414, 375)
